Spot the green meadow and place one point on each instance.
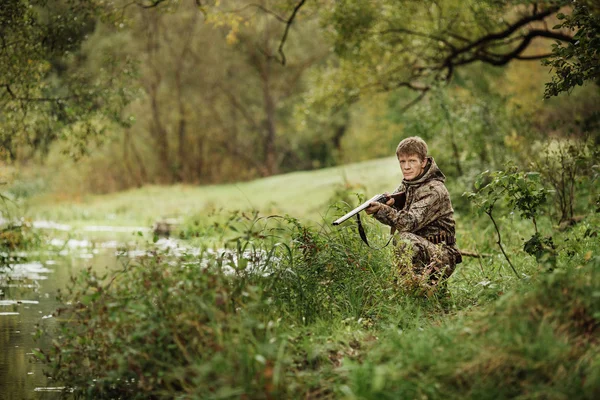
(304, 195)
(170, 171)
(276, 303)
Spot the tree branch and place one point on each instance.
(503, 59)
(288, 24)
(534, 57)
(478, 47)
(414, 101)
(507, 32)
(35, 99)
(448, 50)
(474, 254)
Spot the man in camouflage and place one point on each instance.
(425, 222)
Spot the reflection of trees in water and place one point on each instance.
(34, 281)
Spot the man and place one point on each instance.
(425, 222)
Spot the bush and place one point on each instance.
(155, 329)
(285, 310)
(14, 237)
(216, 324)
(537, 344)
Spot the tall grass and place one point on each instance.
(217, 324)
(541, 343)
(286, 310)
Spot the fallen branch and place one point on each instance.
(474, 254)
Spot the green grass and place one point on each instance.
(332, 321)
(302, 194)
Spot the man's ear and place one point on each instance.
(424, 162)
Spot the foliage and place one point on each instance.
(120, 82)
(229, 123)
(16, 237)
(43, 97)
(156, 330)
(521, 192)
(542, 248)
(578, 61)
(565, 165)
(210, 324)
(380, 49)
(535, 344)
(285, 310)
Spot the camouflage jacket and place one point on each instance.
(428, 210)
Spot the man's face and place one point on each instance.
(411, 165)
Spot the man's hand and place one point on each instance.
(373, 207)
(376, 206)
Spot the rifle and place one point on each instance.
(399, 201)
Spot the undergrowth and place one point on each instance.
(286, 310)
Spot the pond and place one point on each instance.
(28, 293)
(28, 297)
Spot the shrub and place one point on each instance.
(210, 325)
(155, 329)
(541, 343)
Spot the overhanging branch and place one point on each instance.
(449, 50)
(509, 30)
(478, 50)
(503, 59)
(288, 24)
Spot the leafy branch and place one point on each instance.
(521, 191)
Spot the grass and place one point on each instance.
(331, 320)
(302, 194)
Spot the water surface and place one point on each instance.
(28, 297)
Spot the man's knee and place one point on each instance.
(408, 237)
(411, 245)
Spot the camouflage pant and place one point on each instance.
(437, 261)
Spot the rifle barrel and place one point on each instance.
(358, 209)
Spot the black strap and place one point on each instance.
(363, 235)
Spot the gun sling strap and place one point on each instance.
(435, 239)
(363, 235)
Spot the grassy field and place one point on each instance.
(301, 194)
(330, 318)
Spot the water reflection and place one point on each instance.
(28, 298)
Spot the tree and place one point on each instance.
(579, 60)
(212, 103)
(38, 41)
(384, 45)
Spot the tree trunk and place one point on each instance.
(181, 134)
(157, 130)
(161, 140)
(269, 147)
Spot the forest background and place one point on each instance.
(121, 108)
(164, 92)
